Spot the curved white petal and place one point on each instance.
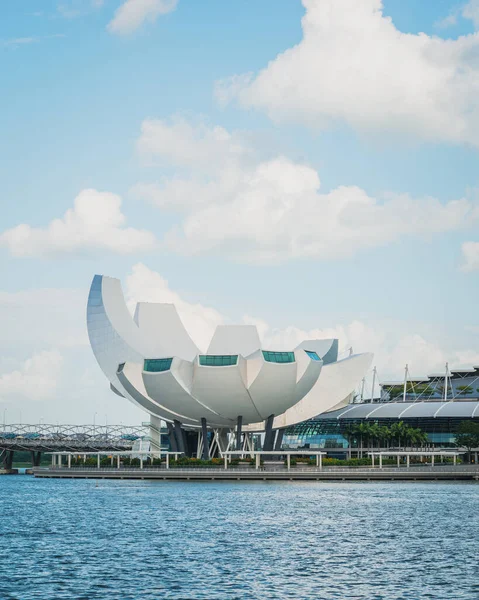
(308, 371)
(337, 381)
(161, 326)
(114, 337)
(223, 389)
(234, 339)
(326, 349)
(131, 378)
(173, 389)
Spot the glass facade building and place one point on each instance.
(440, 420)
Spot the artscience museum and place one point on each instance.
(210, 399)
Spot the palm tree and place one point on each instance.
(384, 435)
(398, 431)
(364, 430)
(374, 433)
(349, 433)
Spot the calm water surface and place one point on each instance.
(303, 540)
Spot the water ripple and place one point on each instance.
(130, 540)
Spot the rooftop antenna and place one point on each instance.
(406, 373)
(446, 377)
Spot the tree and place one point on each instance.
(384, 435)
(349, 433)
(465, 389)
(467, 435)
(374, 433)
(364, 430)
(398, 431)
(416, 437)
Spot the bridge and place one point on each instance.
(69, 438)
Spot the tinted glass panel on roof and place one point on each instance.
(312, 355)
(157, 365)
(218, 360)
(278, 357)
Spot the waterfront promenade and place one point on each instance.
(268, 473)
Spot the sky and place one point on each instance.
(309, 167)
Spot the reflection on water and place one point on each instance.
(122, 540)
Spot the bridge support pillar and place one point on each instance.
(69, 461)
(36, 458)
(7, 459)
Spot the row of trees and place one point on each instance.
(427, 390)
(368, 435)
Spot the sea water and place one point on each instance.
(141, 540)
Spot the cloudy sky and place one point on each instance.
(312, 168)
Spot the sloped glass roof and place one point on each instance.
(405, 410)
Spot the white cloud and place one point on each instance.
(72, 9)
(26, 41)
(35, 379)
(272, 209)
(471, 11)
(448, 21)
(133, 13)
(470, 252)
(94, 223)
(353, 65)
(36, 318)
(193, 145)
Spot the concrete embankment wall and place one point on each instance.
(345, 474)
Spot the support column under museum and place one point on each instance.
(180, 440)
(268, 433)
(171, 437)
(204, 431)
(239, 426)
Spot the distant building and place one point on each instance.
(436, 404)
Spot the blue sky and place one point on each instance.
(215, 142)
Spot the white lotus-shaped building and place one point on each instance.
(151, 360)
